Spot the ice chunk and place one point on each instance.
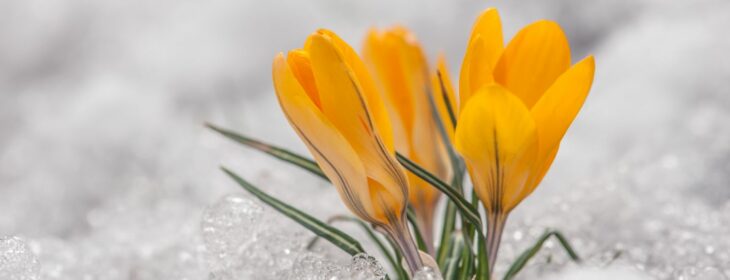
(229, 227)
(365, 267)
(245, 240)
(312, 266)
(17, 261)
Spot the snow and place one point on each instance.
(106, 171)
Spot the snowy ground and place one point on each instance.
(106, 170)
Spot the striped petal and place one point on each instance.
(344, 104)
(333, 153)
(376, 108)
(497, 138)
(535, 57)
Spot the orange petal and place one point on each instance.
(333, 153)
(302, 68)
(369, 91)
(559, 106)
(344, 104)
(496, 136)
(483, 51)
(535, 57)
(382, 53)
(401, 71)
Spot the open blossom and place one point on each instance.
(402, 74)
(516, 103)
(332, 103)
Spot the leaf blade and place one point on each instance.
(464, 206)
(532, 251)
(331, 234)
(277, 152)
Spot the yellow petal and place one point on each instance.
(344, 104)
(401, 71)
(376, 108)
(330, 149)
(382, 53)
(489, 26)
(496, 136)
(301, 67)
(483, 51)
(559, 106)
(535, 57)
(476, 71)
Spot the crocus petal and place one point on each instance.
(376, 108)
(401, 71)
(333, 153)
(489, 26)
(560, 104)
(301, 67)
(497, 138)
(535, 57)
(343, 103)
(382, 53)
(483, 51)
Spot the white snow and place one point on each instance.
(106, 171)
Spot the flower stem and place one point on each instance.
(495, 228)
(425, 223)
(400, 235)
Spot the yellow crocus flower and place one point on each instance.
(402, 74)
(332, 103)
(516, 104)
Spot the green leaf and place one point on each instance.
(483, 269)
(274, 151)
(465, 208)
(532, 251)
(457, 164)
(411, 216)
(446, 234)
(467, 263)
(331, 234)
(445, 97)
(452, 261)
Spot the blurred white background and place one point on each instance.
(103, 153)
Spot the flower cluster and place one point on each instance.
(366, 117)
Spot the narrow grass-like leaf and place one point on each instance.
(465, 208)
(445, 97)
(530, 252)
(454, 257)
(331, 234)
(445, 246)
(483, 269)
(411, 216)
(466, 270)
(280, 153)
(456, 161)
